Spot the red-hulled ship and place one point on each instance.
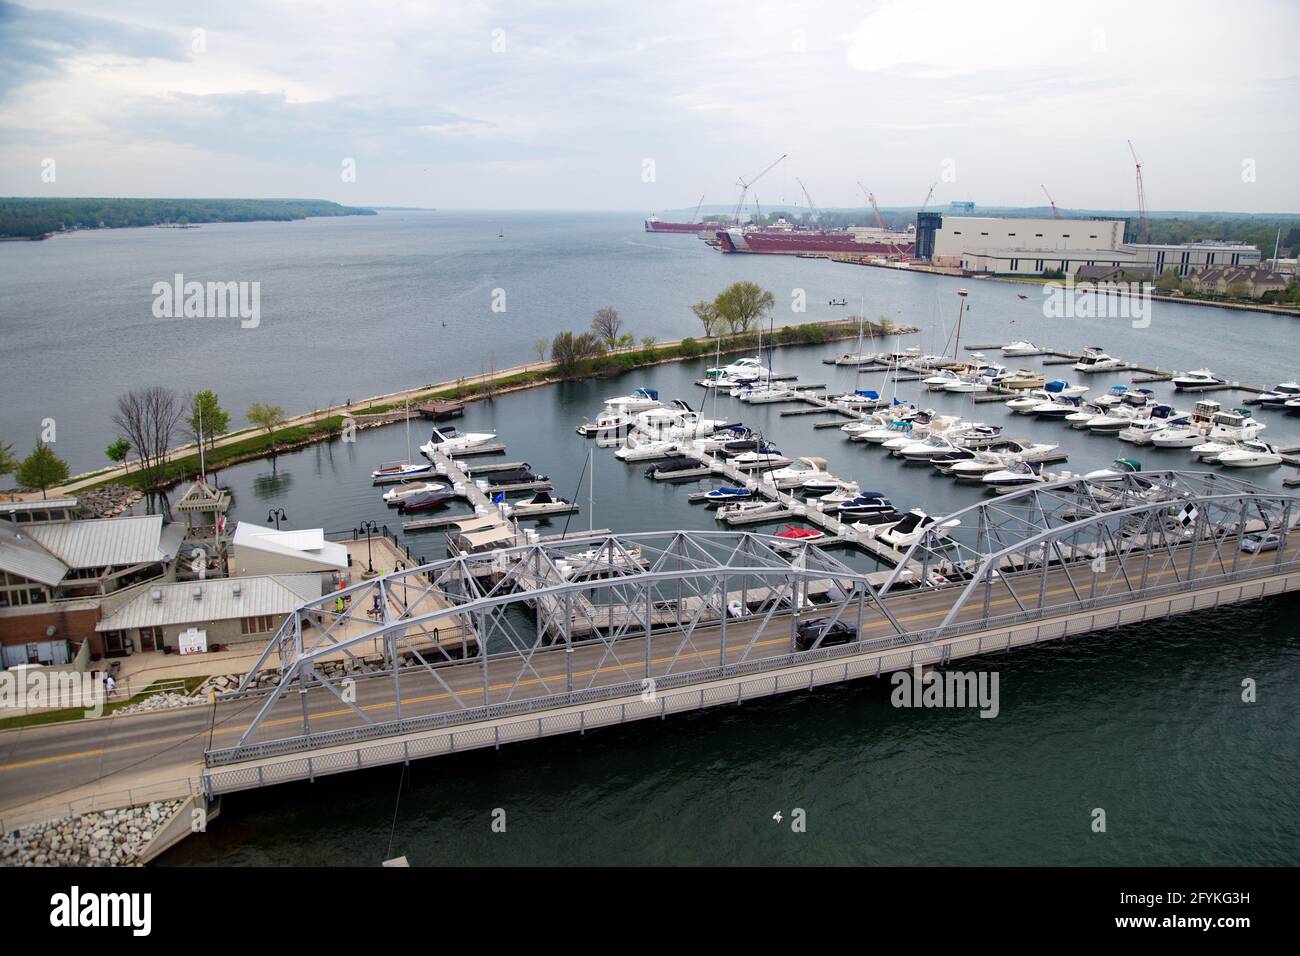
(793, 242)
(655, 224)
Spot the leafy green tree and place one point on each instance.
(1168, 281)
(268, 417)
(708, 316)
(625, 341)
(743, 305)
(118, 450)
(42, 469)
(207, 417)
(8, 463)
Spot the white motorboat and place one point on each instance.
(1113, 397)
(647, 449)
(638, 401)
(1021, 379)
(870, 506)
(1233, 426)
(1057, 407)
(855, 358)
(846, 491)
(1112, 422)
(606, 423)
(966, 384)
(409, 489)
(1197, 379)
(798, 473)
(936, 446)
(1177, 436)
(983, 463)
(1059, 386)
(543, 503)
(448, 441)
(745, 510)
(1021, 348)
(1015, 475)
(1096, 360)
(1250, 454)
(1142, 431)
(748, 369)
(1118, 469)
(727, 494)
(912, 527)
(760, 458)
(939, 381)
(760, 394)
(1209, 451)
(1280, 394)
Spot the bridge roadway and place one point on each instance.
(37, 762)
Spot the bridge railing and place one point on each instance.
(913, 641)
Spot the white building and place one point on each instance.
(1033, 246)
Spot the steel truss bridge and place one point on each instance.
(543, 639)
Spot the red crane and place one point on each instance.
(1056, 213)
(1142, 198)
(695, 217)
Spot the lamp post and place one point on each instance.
(369, 527)
(277, 515)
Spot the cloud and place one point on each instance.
(35, 44)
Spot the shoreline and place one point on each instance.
(386, 408)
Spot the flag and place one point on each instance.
(499, 497)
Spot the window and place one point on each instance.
(257, 625)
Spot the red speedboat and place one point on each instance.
(791, 533)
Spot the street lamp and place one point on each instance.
(369, 527)
(277, 515)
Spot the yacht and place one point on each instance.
(1175, 435)
(988, 462)
(792, 534)
(750, 368)
(739, 511)
(1142, 431)
(429, 501)
(847, 491)
(1111, 422)
(1251, 454)
(447, 440)
(639, 401)
(767, 457)
(605, 423)
(866, 505)
(1016, 475)
(854, 358)
(1096, 360)
(1021, 348)
(763, 394)
(1280, 394)
(1115, 396)
(939, 381)
(798, 473)
(1057, 407)
(1059, 386)
(966, 384)
(1118, 469)
(912, 526)
(409, 489)
(647, 449)
(542, 503)
(1197, 379)
(1022, 378)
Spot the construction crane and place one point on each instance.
(744, 187)
(880, 220)
(695, 217)
(928, 197)
(1056, 213)
(1142, 199)
(812, 207)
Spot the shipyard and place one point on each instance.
(660, 437)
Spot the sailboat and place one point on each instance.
(392, 471)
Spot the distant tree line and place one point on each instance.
(32, 217)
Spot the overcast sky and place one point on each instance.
(561, 105)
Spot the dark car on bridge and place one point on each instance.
(831, 633)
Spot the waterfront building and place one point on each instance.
(1238, 281)
(256, 549)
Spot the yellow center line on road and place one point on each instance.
(427, 698)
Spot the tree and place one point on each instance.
(269, 417)
(8, 463)
(607, 325)
(147, 418)
(42, 468)
(206, 417)
(570, 352)
(626, 340)
(1168, 281)
(540, 346)
(708, 316)
(648, 342)
(118, 450)
(742, 305)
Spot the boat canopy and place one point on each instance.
(1055, 385)
(866, 392)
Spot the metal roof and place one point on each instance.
(220, 599)
(306, 545)
(104, 542)
(22, 556)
